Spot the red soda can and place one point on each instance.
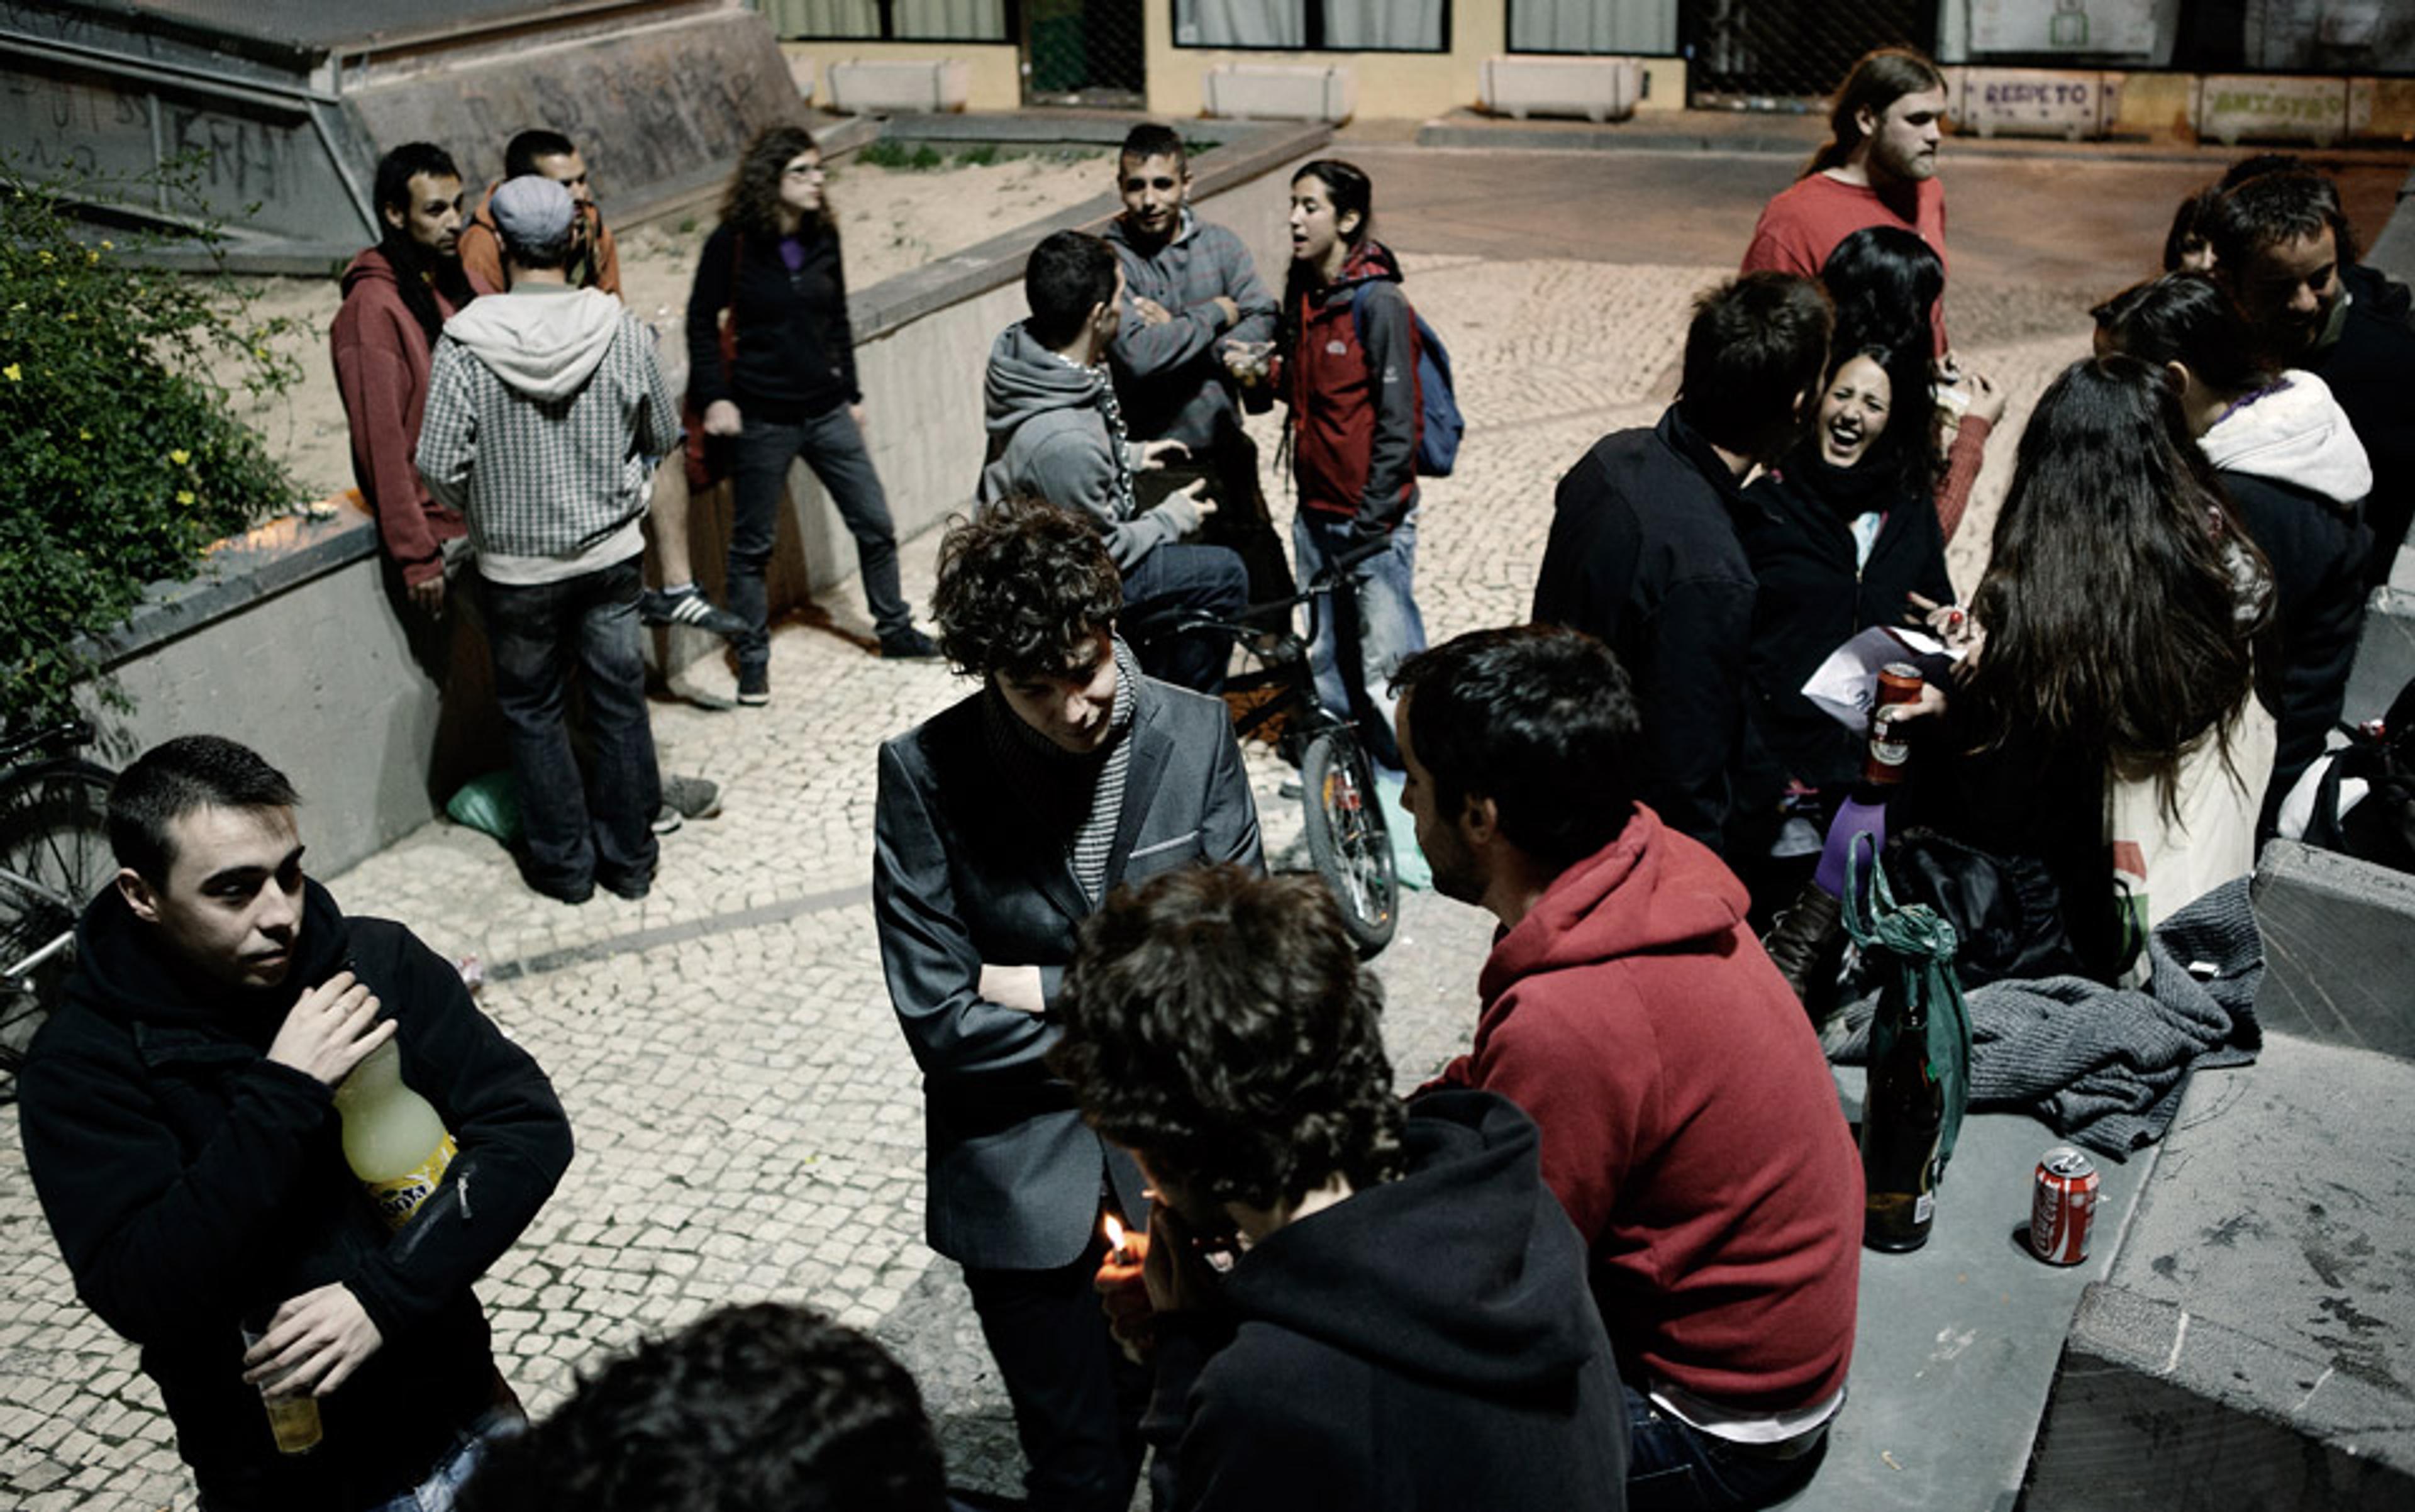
(2063, 1208)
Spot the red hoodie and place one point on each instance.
(381, 361)
(1690, 1126)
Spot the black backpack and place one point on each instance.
(2381, 828)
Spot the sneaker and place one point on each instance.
(754, 686)
(908, 645)
(687, 606)
(685, 799)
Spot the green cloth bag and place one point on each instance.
(491, 804)
(1911, 948)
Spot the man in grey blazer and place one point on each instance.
(1001, 824)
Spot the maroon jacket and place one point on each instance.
(1352, 386)
(1690, 1126)
(381, 361)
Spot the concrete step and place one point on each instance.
(2255, 1344)
(1955, 1344)
(2339, 949)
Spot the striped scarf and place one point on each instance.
(1112, 410)
(1084, 795)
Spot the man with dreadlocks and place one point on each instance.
(398, 296)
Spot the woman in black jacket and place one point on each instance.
(780, 381)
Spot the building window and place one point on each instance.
(898, 20)
(1314, 25)
(1644, 27)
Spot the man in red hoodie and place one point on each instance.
(398, 296)
(1690, 1124)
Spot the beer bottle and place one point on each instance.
(393, 1140)
(1903, 1114)
(1900, 683)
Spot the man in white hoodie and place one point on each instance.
(543, 406)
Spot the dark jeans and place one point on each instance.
(1672, 1466)
(1169, 583)
(1230, 464)
(833, 448)
(600, 828)
(1362, 636)
(1077, 1400)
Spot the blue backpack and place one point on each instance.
(1440, 424)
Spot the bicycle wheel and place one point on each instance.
(1347, 838)
(55, 856)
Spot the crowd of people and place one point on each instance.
(1609, 1257)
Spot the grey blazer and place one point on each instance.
(961, 874)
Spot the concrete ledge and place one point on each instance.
(2253, 1343)
(2385, 650)
(2339, 949)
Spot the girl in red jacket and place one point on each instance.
(1348, 370)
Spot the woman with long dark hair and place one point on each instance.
(2106, 719)
(2295, 471)
(1346, 365)
(787, 387)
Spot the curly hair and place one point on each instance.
(750, 1409)
(752, 202)
(1022, 585)
(2119, 627)
(1218, 1022)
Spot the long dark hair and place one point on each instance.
(1878, 79)
(752, 202)
(2112, 600)
(1884, 282)
(419, 273)
(1349, 188)
(2186, 318)
(1905, 451)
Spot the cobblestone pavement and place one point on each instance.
(748, 1119)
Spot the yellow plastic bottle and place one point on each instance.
(393, 1140)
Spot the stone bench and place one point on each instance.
(2339, 949)
(2253, 1343)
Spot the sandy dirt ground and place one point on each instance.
(891, 220)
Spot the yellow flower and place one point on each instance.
(83, 435)
(45, 256)
(14, 373)
(108, 246)
(183, 496)
(180, 457)
(92, 257)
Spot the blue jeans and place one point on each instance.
(1362, 637)
(578, 830)
(1166, 585)
(758, 468)
(1672, 1466)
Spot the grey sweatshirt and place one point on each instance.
(1172, 377)
(1051, 434)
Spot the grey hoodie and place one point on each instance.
(1052, 432)
(545, 410)
(2294, 432)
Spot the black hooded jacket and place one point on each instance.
(191, 1183)
(1427, 1343)
(1814, 596)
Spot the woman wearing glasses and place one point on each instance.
(781, 385)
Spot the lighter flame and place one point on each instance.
(1114, 1233)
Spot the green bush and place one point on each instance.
(121, 458)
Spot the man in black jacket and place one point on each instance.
(1000, 826)
(1404, 1322)
(2284, 249)
(180, 1123)
(1644, 553)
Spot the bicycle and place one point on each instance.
(55, 856)
(1348, 841)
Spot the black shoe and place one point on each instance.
(687, 606)
(754, 686)
(571, 895)
(1806, 941)
(633, 889)
(908, 645)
